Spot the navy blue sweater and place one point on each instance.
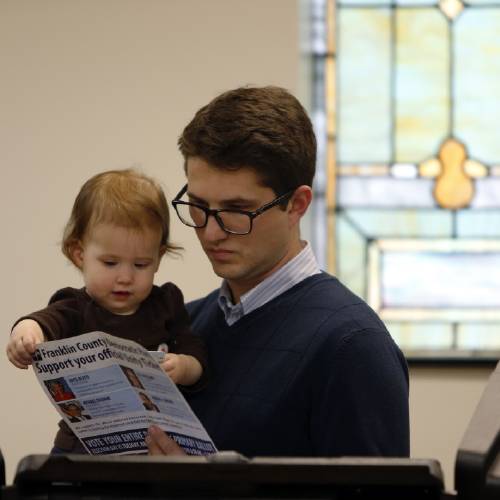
(314, 372)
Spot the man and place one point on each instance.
(300, 366)
(74, 412)
(147, 403)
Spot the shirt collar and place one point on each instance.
(302, 266)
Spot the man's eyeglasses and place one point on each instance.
(230, 220)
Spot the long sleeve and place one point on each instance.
(62, 318)
(360, 398)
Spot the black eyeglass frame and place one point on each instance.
(215, 211)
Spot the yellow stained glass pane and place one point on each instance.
(451, 8)
(422, 83)
(430, 168)
(477, 82)
(367, 170)
(364, 57)
(475, 169)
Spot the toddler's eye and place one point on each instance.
(109, 263)
(141, 265)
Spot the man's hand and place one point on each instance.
(22, 344)
(160, 444)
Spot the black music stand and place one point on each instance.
(477, 466)
(2, 470)
(228, 476)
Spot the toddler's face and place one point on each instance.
(118, 265)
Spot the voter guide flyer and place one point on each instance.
(110, 390)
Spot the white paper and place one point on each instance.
(110, 390)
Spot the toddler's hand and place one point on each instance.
(182, 368)
(22, 344)
(174, 366)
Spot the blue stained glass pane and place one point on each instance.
(351, 257)
(483, 2)
(365, 2)
(479, 336)
(429, 3)
(422, 82)
(364, 118)
(375, 223)
(385, 192)
(421, 335)
(430, 280)
(478, 223)
(487, 193)
(477, 82)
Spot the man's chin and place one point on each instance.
(225, 271)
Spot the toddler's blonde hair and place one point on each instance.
(126, 198)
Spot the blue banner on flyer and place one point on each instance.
(191, 445)
(117, 442)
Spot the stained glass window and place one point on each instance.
(405, 102)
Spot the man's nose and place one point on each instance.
(212, 231)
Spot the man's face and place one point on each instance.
(243, 260)
(73, 410)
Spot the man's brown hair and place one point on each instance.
(265, 128)
(126, 198)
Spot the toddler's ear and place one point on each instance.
(76, 253)
(161, 253)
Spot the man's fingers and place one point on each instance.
(160, 444)
(153, 448)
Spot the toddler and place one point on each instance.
(116, 235)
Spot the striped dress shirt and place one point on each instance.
(296, 270)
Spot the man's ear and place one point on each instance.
(299, 203)
(76, 254)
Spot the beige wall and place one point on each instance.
(89, 85)
(442, 401)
